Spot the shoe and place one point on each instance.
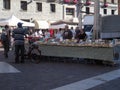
(6, 55)
(16, 62)
(22, 61)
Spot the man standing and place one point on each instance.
(73, 32)
(18, 35)
(67, 34)
(5, 38)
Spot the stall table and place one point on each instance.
(103, 53)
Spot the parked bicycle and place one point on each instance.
(33, 53)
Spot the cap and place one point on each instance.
(19, 24)
(6, 26)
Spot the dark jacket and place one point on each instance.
(18, 35)
(77, 33)
(67, 34)
(82, 36)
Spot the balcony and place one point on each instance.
(70, 1)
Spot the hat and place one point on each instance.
(19, 24)
(6, 26)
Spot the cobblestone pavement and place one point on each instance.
(48, 75)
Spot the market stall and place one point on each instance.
(39, 24)
(63, 23)
(12, 21)
(103, 52)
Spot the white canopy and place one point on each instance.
(75, 20)
(41, 24)
(12, 21)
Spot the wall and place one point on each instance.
(60, 14)
(31, 11)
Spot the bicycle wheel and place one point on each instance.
(35, 56)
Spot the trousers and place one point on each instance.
(19, 51)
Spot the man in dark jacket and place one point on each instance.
(5, 38)
(67, 34)
(18, 35)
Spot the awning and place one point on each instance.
(12, 21)
(75, 20)
(58, 26)
(69, 22)
(41, 24)
(62, 26)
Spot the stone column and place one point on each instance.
(80, 13)
(96, 26)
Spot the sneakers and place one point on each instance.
(22, 61)
(18, 61)
(6, 55)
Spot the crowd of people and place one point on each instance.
(17, 37)
(60, 34)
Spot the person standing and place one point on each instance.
(73, 32)
(67, 34)
(58, 34)
(18, 35)
(5, 38)
(81, 36)
(77, 31)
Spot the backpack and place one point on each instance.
(4, 37)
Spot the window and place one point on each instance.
(105, 11)
(39, 6)
(112, 12)
(52, 7)
(112, 1)
(70, 11)
(24, 5)
(104, 1)
(87, 10)
(50, 0)
(6, 4)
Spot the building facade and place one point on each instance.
(31, 9)
(53, 10)
(107, 7)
